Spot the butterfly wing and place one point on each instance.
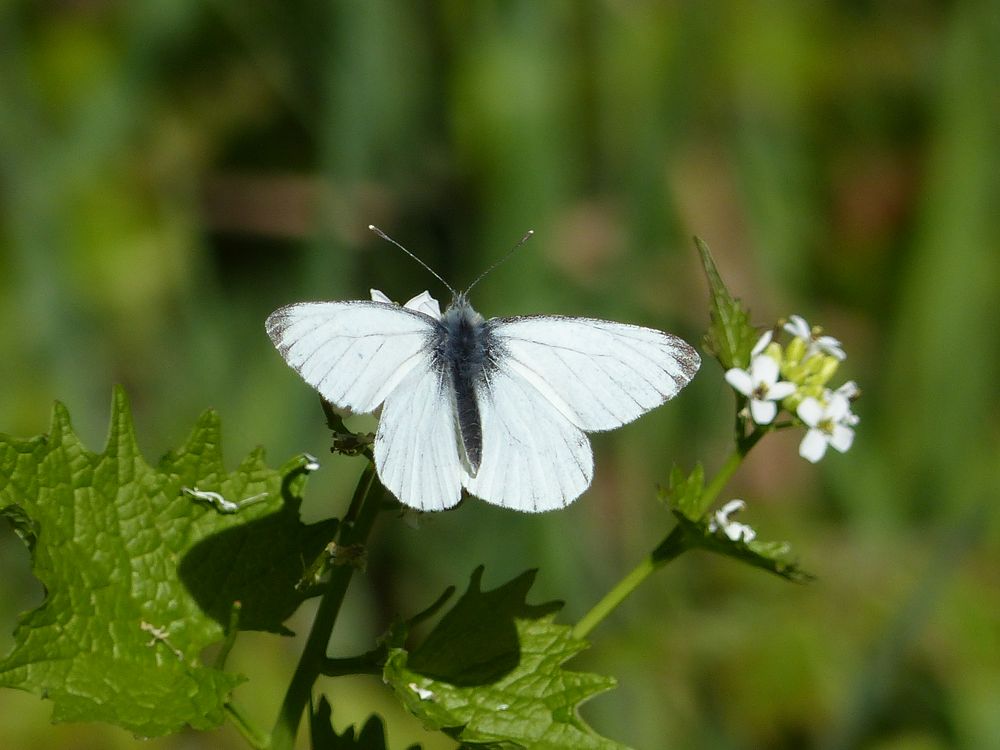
(416, 445)
(597, 373)
(353, 353)
(362, 354)
(534, 459)
(554, 379)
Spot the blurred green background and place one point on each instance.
(171, 171)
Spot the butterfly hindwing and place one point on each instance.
(416, 446)
(534, 459)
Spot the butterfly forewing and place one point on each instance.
(599, 374)
(353, 353)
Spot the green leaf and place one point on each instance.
(730, 337)
(139, 577)
(490, 673)
(324, 737)
(683, 495)
(773, 557)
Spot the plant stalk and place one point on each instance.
(366, 505)
(668, 549)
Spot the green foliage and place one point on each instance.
(324, 737)
(730, 336)
(139, 578)
(770, 556)
(490, 673)
(683, 494)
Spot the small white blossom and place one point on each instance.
(829, 424)
(722, 520)
(798, 327)
(423, 303)
(761, 385)
(311, 462)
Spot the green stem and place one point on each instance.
(665, 551)
(367, 506)
(671, 546)
(370, 663)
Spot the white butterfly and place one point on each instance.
(499, 407)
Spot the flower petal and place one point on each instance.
(781, 391)
(830, 345)
(810, 411)
(813, 446)
(763, 412)
(763, 369)
(837, 407)
(733, 506)
(762, 342)
(798, 327)
(744, 533)
(842, 438)
(378, 296)
(740, 380)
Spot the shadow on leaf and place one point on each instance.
(476, 642)
(257, 563)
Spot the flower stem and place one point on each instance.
(671, 546)
(365, 506)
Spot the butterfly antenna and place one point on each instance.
(434, 273)
(502, 260)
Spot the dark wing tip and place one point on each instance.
(688, 359)
(276, 323)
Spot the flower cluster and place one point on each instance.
(722, 520)
(795, 378)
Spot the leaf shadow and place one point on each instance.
(477, 642)
(258, 564)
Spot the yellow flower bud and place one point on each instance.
(795, 351)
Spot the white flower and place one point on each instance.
(829, 424)
(760, 384)
(423, 303)
(798, 327)
(738, 532)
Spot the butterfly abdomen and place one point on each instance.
(464, 352)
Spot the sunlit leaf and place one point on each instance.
(730, 336)
(139, 577)
(490, 673)
(683, 495)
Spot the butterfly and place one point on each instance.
(499, 407)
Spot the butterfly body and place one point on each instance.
(465, 352)
(497, 407)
